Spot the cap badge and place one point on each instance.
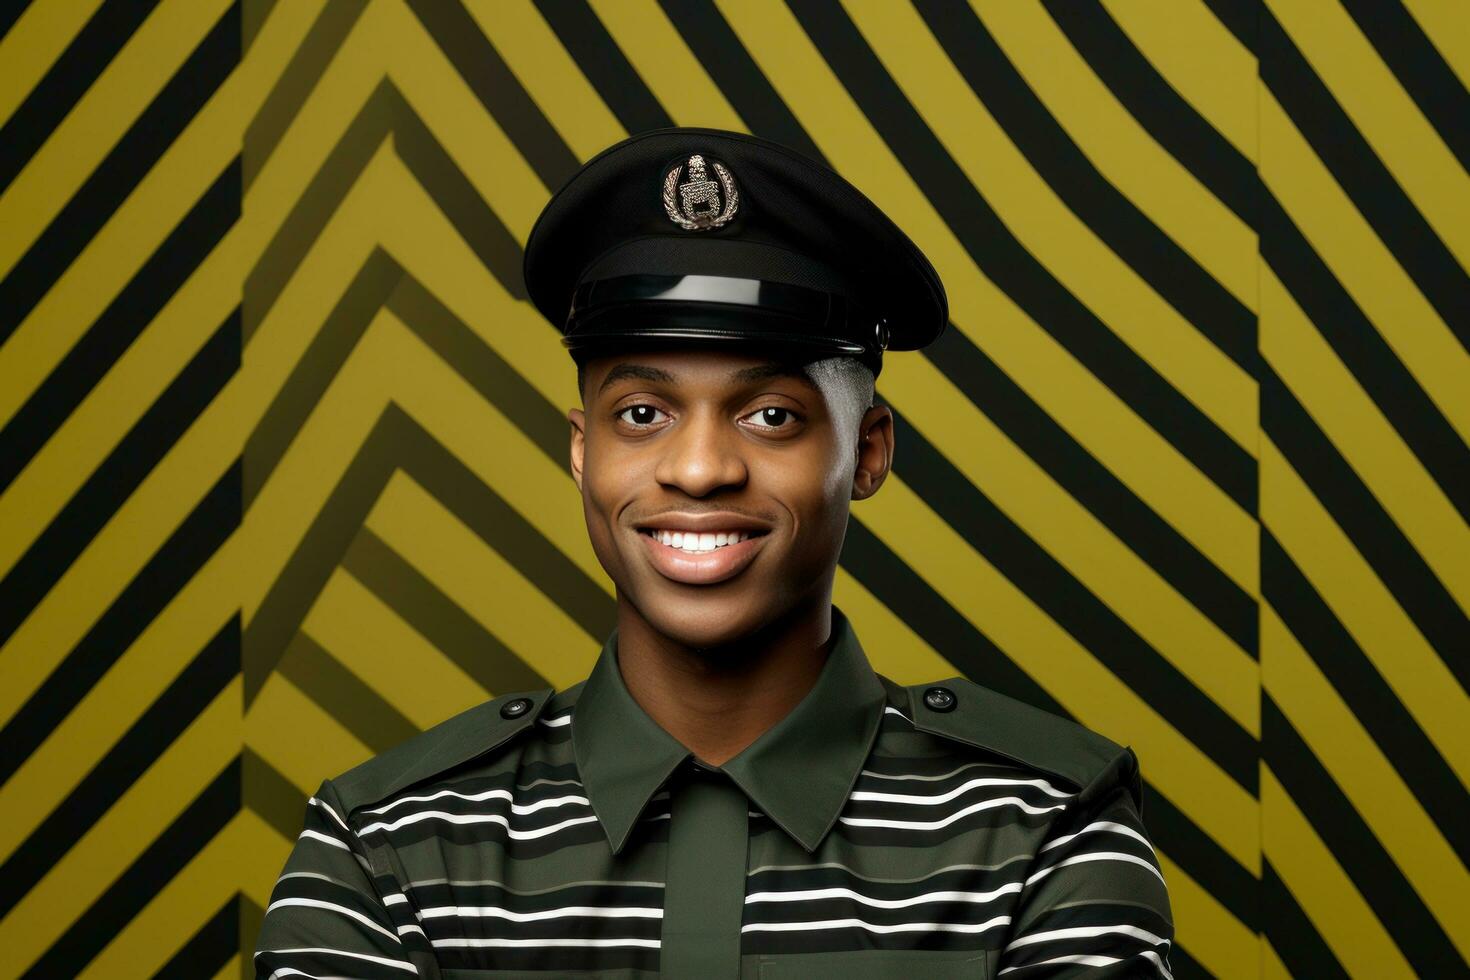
(700, 203)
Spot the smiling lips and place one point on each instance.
(701, 557)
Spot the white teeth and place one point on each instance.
(698, 542)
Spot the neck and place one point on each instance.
(718, 701)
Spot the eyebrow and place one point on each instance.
(747, 375)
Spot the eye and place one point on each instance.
(774, 417)
(640, 416)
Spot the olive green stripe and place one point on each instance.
(342, 694)
(314, 371)
(459, 636)
(271, 796)
(326, 34)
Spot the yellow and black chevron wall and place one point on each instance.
(282, 446)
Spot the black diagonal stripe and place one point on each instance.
(1420, 69)
(1375, 534)
(1158, 107)
(1159, 261)
(1367, 695)
(127, 316)
(140, 746)
(1181, 131)
(372, 719)
(212, 946)
(9, 14)
(120, 171)
(1354, 165)
(940, 625)
(1209, 589)
(1383, 886)
(296, 82)
(604, 64)
(719, 51)
(195, 540)
(1363, 351)
(1006, 262)
(1292, 934)
(90, 51)
(1228, 881)
(169, 853)
(129, 463)
(1073, 607)
(1094, 486)
(497, 88)
(956, 639)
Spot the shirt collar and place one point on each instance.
(798, 773)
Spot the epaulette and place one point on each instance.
(450, 743)
(991, 721)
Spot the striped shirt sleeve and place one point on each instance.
(1094, 895)
(325, 917)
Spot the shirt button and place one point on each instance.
(940, 699)
(515, 707)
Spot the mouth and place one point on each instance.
(701, 557)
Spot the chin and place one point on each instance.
(705, 616)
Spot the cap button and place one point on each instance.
(515, 707)
(940, 699)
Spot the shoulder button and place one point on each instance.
(940, 699)
(515, 707)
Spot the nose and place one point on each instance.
(702, 456)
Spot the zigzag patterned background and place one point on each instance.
(282, 446)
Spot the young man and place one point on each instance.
(732, 792)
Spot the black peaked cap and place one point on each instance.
(700, 236)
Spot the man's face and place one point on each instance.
(745, 459)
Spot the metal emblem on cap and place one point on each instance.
(700, 203)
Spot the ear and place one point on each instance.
(578, 419)
(874, 451)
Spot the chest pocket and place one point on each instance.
(881, 965)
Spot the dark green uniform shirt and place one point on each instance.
(877, 831)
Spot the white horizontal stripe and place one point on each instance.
(945, 775)
(489, 794)
(945, 822)
(1087, 932)
(397, 898)
(1081, 959)
(466, 819)
(287, 971)
(851, 873)
(316, 835)
(1106, 826)
(531, 943)
(570, 911)
(380, 960)
(317, 904)
(814, 894)
(558, 721)
(333, 813)
(871, 797)
(1096, 856)
(968, 927)
(413, 928)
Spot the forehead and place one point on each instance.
(687, 367)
